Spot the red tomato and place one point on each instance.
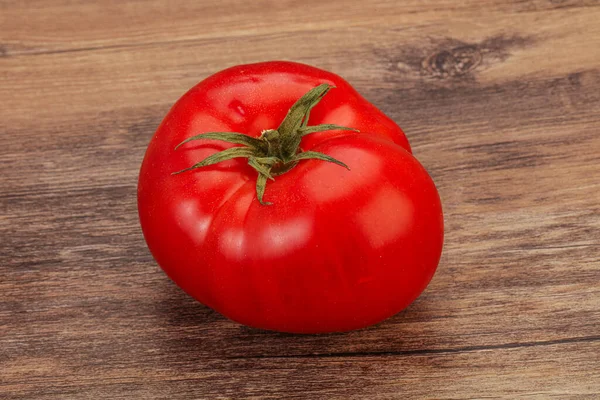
(336, 249)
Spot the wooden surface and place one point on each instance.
(500, 100)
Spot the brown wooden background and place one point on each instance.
(500, 99)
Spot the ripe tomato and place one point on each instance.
(329, 248)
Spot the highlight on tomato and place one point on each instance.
(277, 195)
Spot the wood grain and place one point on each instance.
(500, 100)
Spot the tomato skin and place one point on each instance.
(337, 250)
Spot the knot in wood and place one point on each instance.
(451, 63)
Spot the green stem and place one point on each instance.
(276, 151)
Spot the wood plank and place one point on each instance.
(98, 166)
(504, 373)
(39, 26)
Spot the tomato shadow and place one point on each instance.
(193, 331)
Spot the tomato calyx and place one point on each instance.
(276, 151)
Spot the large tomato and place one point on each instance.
(312, 216)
